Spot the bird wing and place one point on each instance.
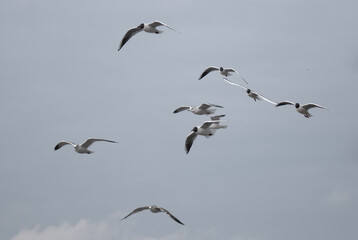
(231, 70)
(267, 100)
(207, 124)
(235, 84)
(217, 117)
(189, 141)
(284, 103)
(158, 24)
(180, 109)
(137, 210)
(312, 105)
(205, 106)
(130, 33)
(208, 70)
(172, 216)
(63, 143)
(89, 141)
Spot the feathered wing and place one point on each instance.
(136, 210)
(130, 33)
(172, 216)
(207, 124)
(312, 105)
(158, 24)
(89, 142)
(235, 84)
(205, 106)
(180, 109)
(284, 103)
(208, 70)
(217, 117)
(267, 100)
(231, 70)
(189, 141)
(63, 143)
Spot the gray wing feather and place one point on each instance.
(284, 103)
(208, 70)
(207, 124)
(136, 210)
(312, 105)
(267, 100)
(130, 33)
(217, 117)
(235, 84)
(189, 141)
(172, 216)
(157, 24)
(89, 142)
(180, 109)
(63, 143)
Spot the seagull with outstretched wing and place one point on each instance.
(207, 129)
(204, 108)
(223, 71)
(82, 148)
(146, 27)
(303, 109)
(154, 209)
(250, 93)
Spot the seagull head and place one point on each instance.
(141, 25)
(297, 105)
(195, 129)
(221, 69)
(248, 90)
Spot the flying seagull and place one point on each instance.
(207, 129)
(303, 109)
(82, 148)
(146, 27)
(251, 93)
(224, 71)
(154, 209)
(200, 110)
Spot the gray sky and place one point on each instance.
(271, 175)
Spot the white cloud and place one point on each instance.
(82, 230)
(108, 230)
(87, 230)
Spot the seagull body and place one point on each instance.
(199, 110)
(223, 71)
(251, 93)
(146, 27)
(154, 209)
(207, 129)
(303, 109)
(82, 148)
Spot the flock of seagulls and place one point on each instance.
(206, 129)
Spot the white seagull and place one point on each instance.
(303, 109)
(200, 110)
(224, 71)
(146, 27)
(154, 209)
(82, 148)
(205, 130)
(251, 93)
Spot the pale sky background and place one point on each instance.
(271, 175)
